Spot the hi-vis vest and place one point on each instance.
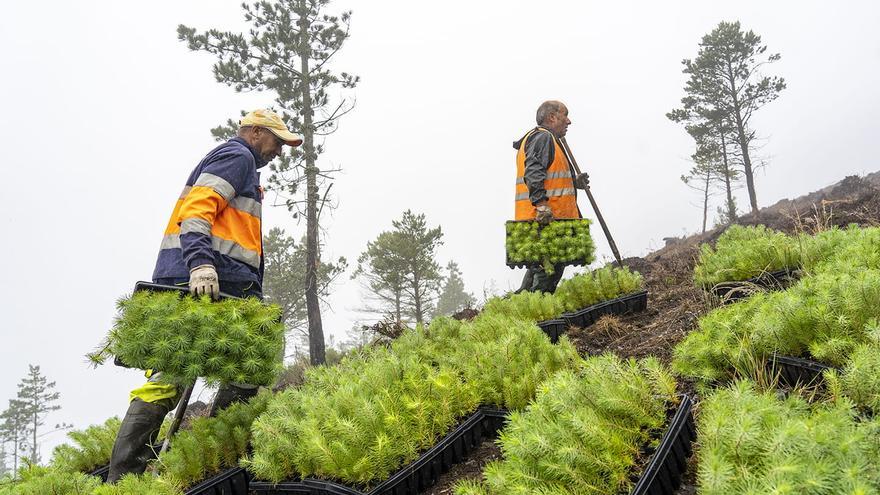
(559, 184)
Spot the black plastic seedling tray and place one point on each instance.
(233, 481)
(663, 474)
(794, 371)
(421, 474)
(630, 303)
(534, 264)
(734, 291)
(554, 328)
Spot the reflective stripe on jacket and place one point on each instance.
(217, 218)
(558, 183)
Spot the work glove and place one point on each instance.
(582, 181)
(544, 215)
(203, 280)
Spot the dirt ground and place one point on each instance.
(675, 304)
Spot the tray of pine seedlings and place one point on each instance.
(756, 441)
(612, 426)
(564, 241)
(164, 328)
(746, 259)
(576, 300)
(390, 420)
(826, 318)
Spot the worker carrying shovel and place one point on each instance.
(212, 244)
(545, 183)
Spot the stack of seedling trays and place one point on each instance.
(663, 474)
(586, 243)
(734, 291)
(793, 372)
(419, 475)
(630, 303)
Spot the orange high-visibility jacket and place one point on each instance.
(559, 184)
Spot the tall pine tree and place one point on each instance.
(286, 51)
(38, 398)
(726, 87)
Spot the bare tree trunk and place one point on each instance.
(731, 212)
(743, 142)
(34, 445)
(706, 197)
(417, 297)
(313, 304)
(399, 319)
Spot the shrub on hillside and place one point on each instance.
(751, 442)
(584, 431)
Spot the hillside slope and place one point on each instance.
(675, 304)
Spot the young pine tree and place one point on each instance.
(453, 298)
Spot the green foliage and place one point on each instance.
(859, 380)
(400, 271)
(827, 315)
(39, 480)
(745, 252)
(453, 298)
(720, 345)
(751, 442)
(596, 286)
(562, 241)
(185, 338)
(380, 408)
(573, 294)
(143, 484)
(211, 444)
(584, 431)
(504, 358)
(285, 275)
(362, 427)
(526, 306)
(91, 450)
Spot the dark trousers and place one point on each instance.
(537, 280)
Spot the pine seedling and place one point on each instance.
(91, 449)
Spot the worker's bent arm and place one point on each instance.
(539, 156)
(217, 184)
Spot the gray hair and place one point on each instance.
(546, 108)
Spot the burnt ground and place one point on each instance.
(675, 304)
